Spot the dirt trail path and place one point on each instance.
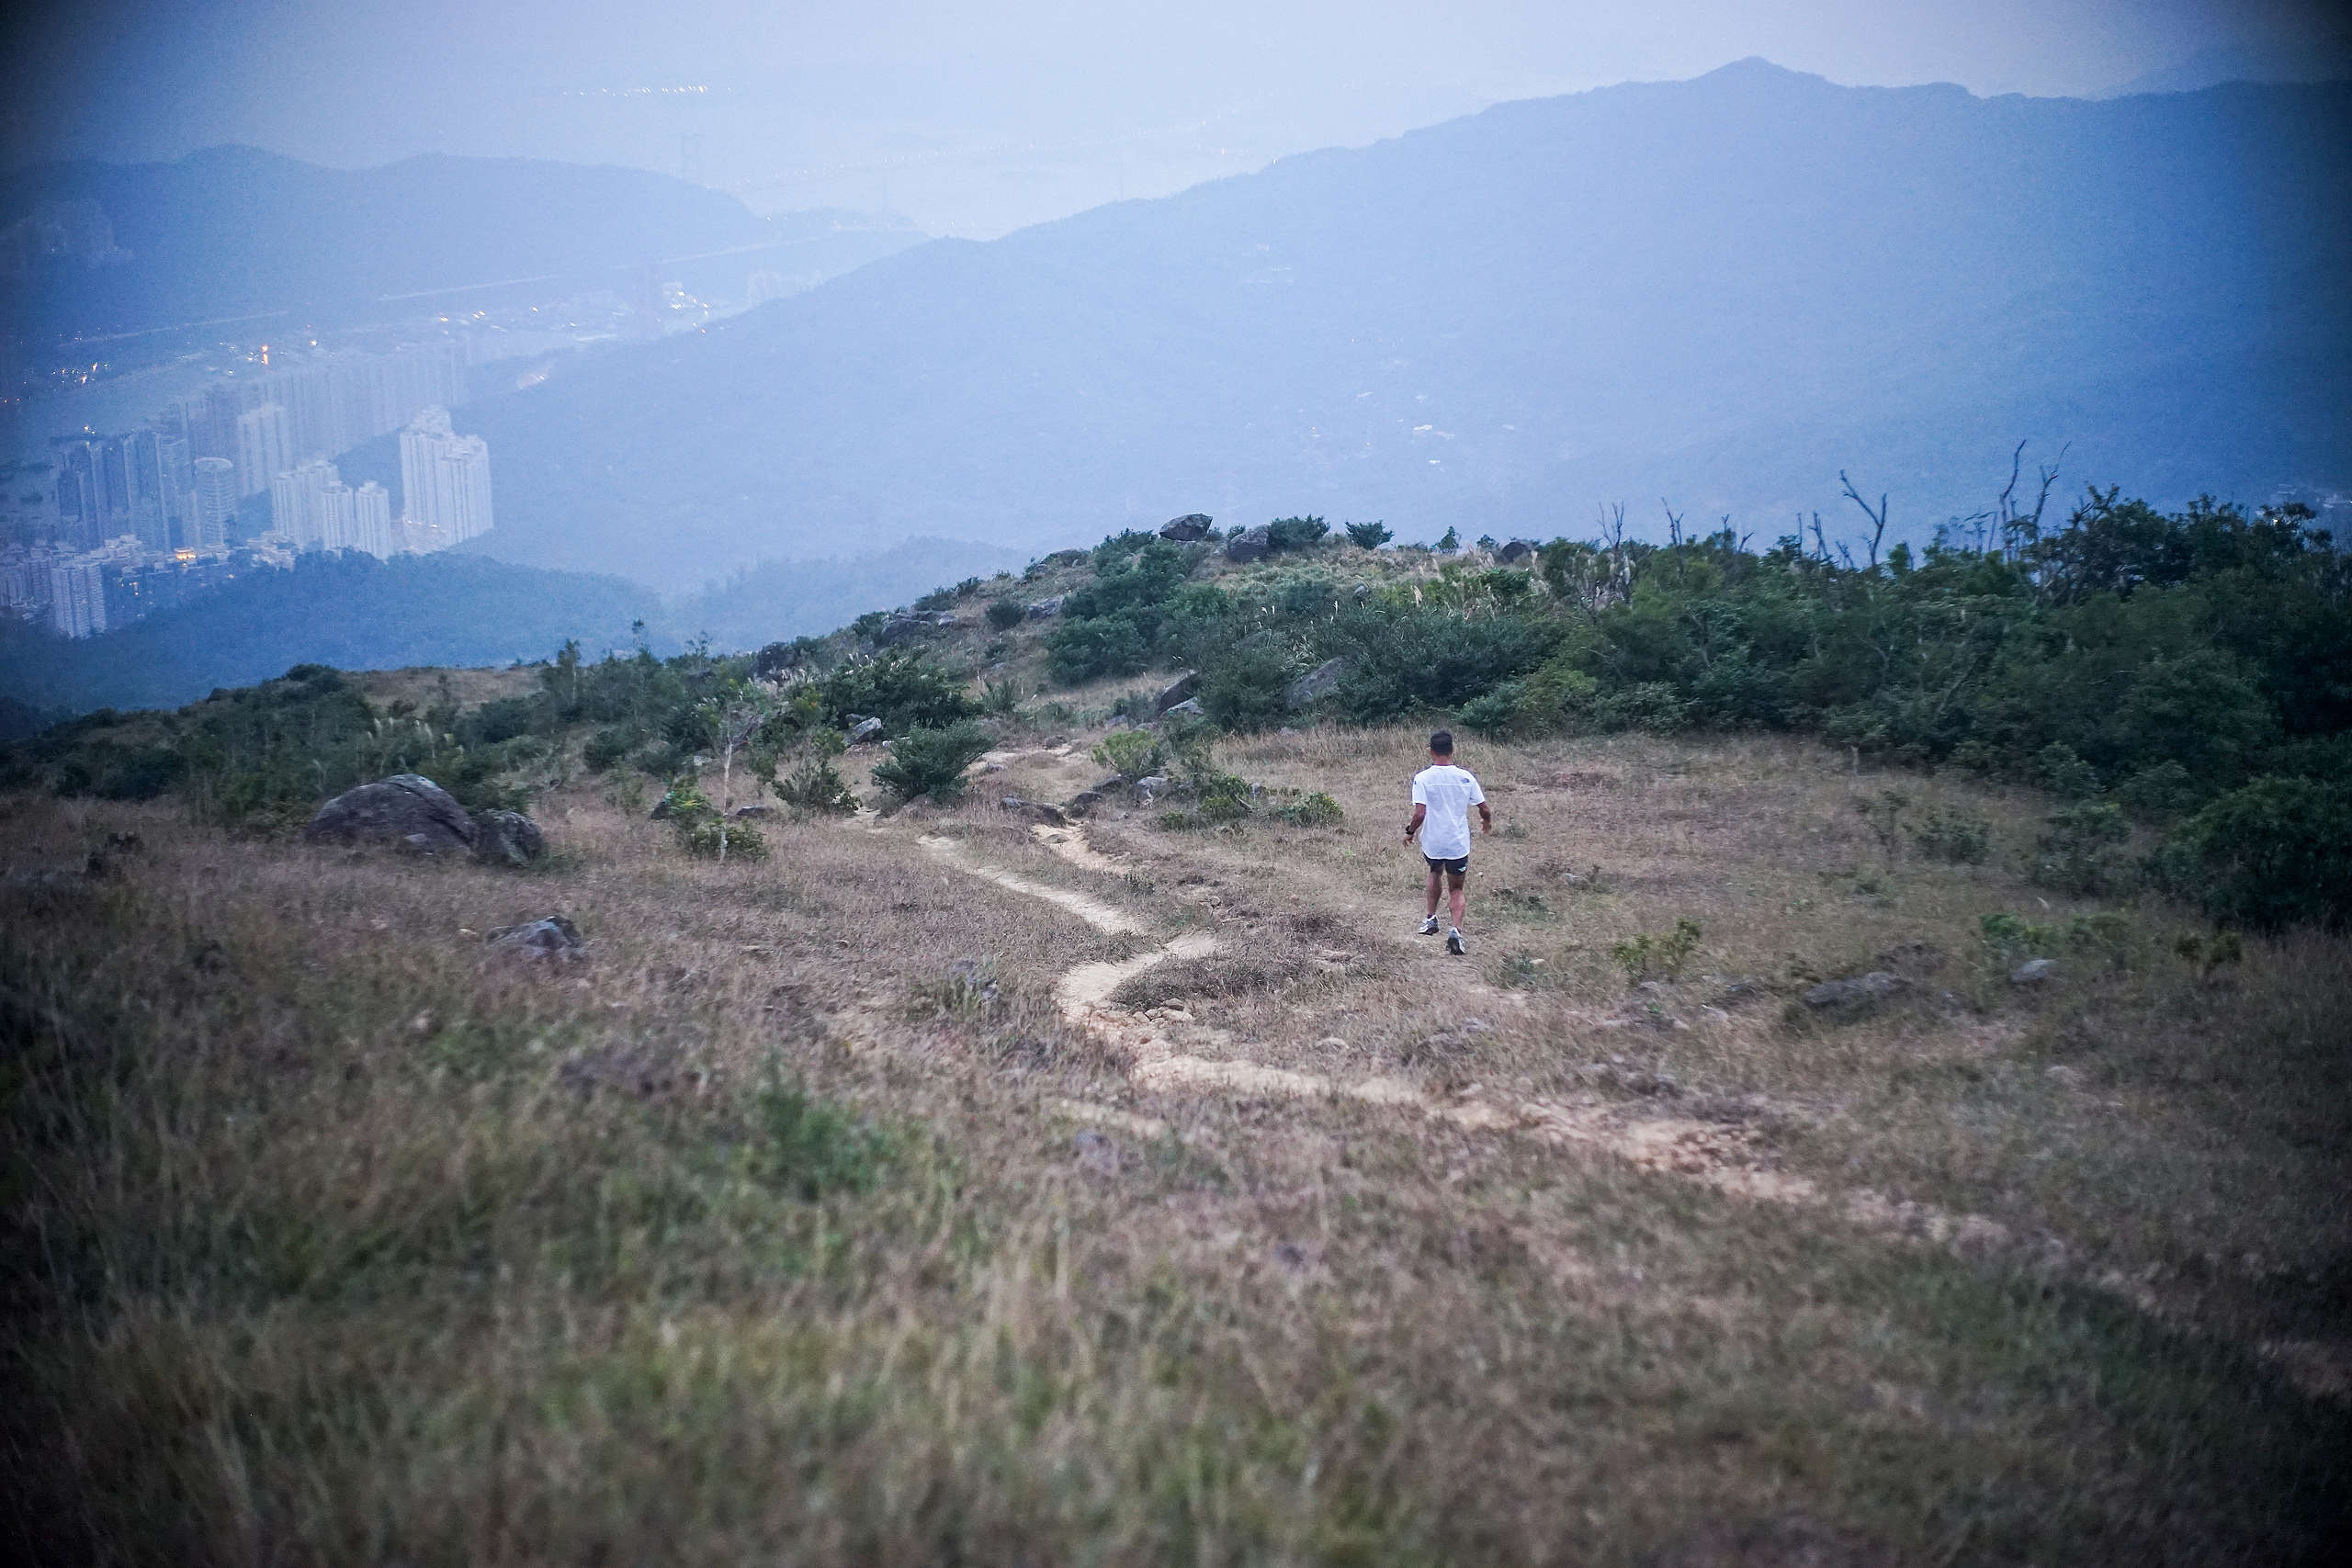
(1165, 1053)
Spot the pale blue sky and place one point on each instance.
(976, 117)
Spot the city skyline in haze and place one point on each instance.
(977, 119)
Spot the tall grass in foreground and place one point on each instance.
(330, 1241)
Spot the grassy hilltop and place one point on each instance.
(950, 1182)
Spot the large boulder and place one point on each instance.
(900, 629)
(1515, 552)
(865, 733)
(1179, 690)
(407, 809)
(1034, 810)
(1189, 709)
(1185, 529)
(1045, 609)
(1315, 684)
(1250, 544)
(508, 838)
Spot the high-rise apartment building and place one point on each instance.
(77, 598)
(333, 402)
(445, 479)
(215, 502)
(371, 521)
(81, 511)
(265, 447)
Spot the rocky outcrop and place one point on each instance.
(406, 810)
(1315, 684)
(1516, 552)
(1250, 544)
(1045, 609)
(1034, 810)
(1184, 530)
(508, 838)
(1177, 691)
(1859, 992)
(865, 731)
(1189, 709)
(549, 939)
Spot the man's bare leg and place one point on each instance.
(1453, 881)
(1434, 885)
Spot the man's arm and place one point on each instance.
(1485, 818)
(1420, 811)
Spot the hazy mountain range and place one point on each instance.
(1719, 292)
(232, 232)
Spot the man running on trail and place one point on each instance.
(1442, 796)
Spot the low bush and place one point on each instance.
(902, 689)
(1006, 614)
(608, 748)
(817, 785)
(1244, 687)
(2077, 850)
(1316, 810)
(1957, 838)
(927, 761)
(1295, 534)
(1368, 536)
(1644, 956)
(2273, 854)
(1130, 753)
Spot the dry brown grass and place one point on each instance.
(337, 1240)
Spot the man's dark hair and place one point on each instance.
(1442, 743)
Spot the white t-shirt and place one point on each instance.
(1449, 791)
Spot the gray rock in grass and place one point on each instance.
(1859, 991)
(406, 810)
(552, 939)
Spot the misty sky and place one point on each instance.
(974, 119)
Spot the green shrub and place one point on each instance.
(999, 698)
(701, 836)
(1316, 810)
(1222, 798)
(1006, 614)
(2008, 938)
(1087, 648)
(2061, 771)
(2077, 851)
(1368, 536)
(901, 688)
(817, 786)
(2161, 790)
(807, 1147)
(2108, 935)
(1643, 956)
(1960, 839)
(927, 761)
(1295, 534)
(1130, 753)
(2273, 854)
(1405, 657)
(1244, 686)
(608, 748)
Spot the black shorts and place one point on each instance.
(1459, 865)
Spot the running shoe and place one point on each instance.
(1429, 927)
(1454, 942)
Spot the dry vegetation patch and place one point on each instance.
(802, 1220)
